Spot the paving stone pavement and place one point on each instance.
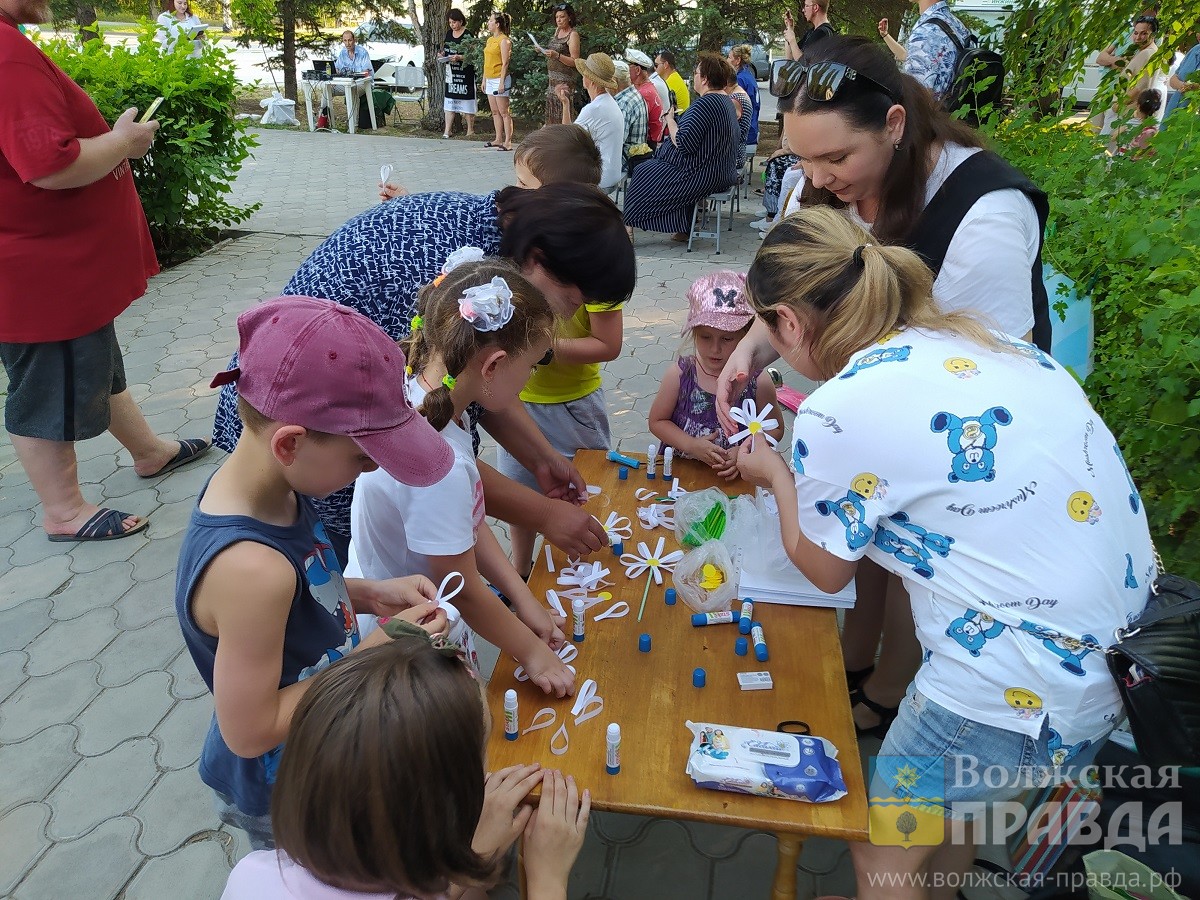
(102, 712)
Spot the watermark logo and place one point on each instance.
(905, 798)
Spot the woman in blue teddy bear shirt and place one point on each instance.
(972, 466)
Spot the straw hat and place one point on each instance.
(598, 68)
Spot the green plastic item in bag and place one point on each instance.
(1112, 875)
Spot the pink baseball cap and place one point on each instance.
(315, 363)
(719, 301)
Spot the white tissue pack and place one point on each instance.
(765, 763)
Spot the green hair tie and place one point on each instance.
(416, 323)
(449, 381)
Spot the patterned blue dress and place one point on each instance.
(375, 264)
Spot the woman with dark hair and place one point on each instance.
(697, 157)
(497, 79)
(567, 239)
(178, 19)
(875, 144)
(937, 415)
(460, 75)
(561, 52)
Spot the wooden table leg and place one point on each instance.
(788, 850)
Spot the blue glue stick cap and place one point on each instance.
(670, 596)
(699, 619)
(698, 678)
(644, 643)
(618, 548)
(741, 646)
(623, 473)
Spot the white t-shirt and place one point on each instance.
(271, 875)
(990, 258)
(604, 121)
(664, 92)
(986, 481)
(397, 527)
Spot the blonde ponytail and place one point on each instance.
(850, 290)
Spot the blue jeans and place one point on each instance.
(258, 828)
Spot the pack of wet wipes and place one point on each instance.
(766, 763)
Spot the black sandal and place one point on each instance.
(887, 714)
(855, 677)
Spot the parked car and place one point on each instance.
(389, 41)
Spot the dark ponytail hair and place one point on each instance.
(444, 332)
(902, 197)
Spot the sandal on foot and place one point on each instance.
(679, 237)
(490, 144)
(855, 677)
(106, 525)
(887, 715)
(190, 450)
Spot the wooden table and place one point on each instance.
(651, 694)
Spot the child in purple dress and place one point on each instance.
(684, 414)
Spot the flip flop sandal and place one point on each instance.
(855, 677)
(490, 144)
(887, 715)
(190, 450)
(106, 525)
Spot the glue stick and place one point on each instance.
(747, 616)
(612, 749)
(714, 618)
(614, 456)
(510, 715)
(651, 461)
(577, 617)
(668, 458)
(760, 642)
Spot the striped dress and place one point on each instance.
(663, 190)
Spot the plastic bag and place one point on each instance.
(741, 534)
(701, 516)
(708, 564)
(1113, 875)
(279, 110)
(765, 763)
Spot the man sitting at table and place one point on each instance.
(351, 59)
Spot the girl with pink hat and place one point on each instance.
(684, 414)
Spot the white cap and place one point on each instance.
(577, 605)
(614, 731)
(510, 697)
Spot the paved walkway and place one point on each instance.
(103, 714)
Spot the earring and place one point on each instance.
(896, 146)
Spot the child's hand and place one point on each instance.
(549, 672)
(392, 191)
(391, 596)
(729, 469)
(542, 623)
(706, 450)
(883, 27)
(555, 835)
(429, 616)
(760, 465)
(504, 816)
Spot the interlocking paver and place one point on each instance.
(92, 590)
(148, 649)
(29, 770)
(72, 641)
(186, 682)
(15, 524)
(180, 805)
(95, 866)
(146, 601)
(134, 708)
(12, 671)
(24, 831)
(21, 624)
(181, 734)
(196, 871)
(100, 786)
(90, 557)
(155, 561)
(49, 700)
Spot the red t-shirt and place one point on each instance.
(70, 260)
(654, 111)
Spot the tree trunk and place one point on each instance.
(287, 16)
(85, 15)
(226, 16)
(430, 35)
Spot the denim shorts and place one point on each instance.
(982, 763)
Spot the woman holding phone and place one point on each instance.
(561, 52)
(497, 53)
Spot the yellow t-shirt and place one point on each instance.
(677, 86)
(492, 63)
(564, 382)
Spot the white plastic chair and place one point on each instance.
(703, 208)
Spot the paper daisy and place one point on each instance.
(753, 422)
(617, 527)
(654, 563)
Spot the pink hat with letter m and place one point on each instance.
(315, 363)
(718, 300)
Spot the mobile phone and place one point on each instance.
(151, 110)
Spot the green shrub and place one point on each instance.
(185, 178)
(1128, 231)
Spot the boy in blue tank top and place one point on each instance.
(259, 594)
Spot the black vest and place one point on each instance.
(979, 174)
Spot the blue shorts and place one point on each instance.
(981, 763)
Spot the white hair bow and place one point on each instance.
(488, 307)
(460, 256)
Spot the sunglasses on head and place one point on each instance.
(822, 80)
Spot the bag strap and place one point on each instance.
(945, 26)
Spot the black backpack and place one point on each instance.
(978, 77)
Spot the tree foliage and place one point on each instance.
(906, 824)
